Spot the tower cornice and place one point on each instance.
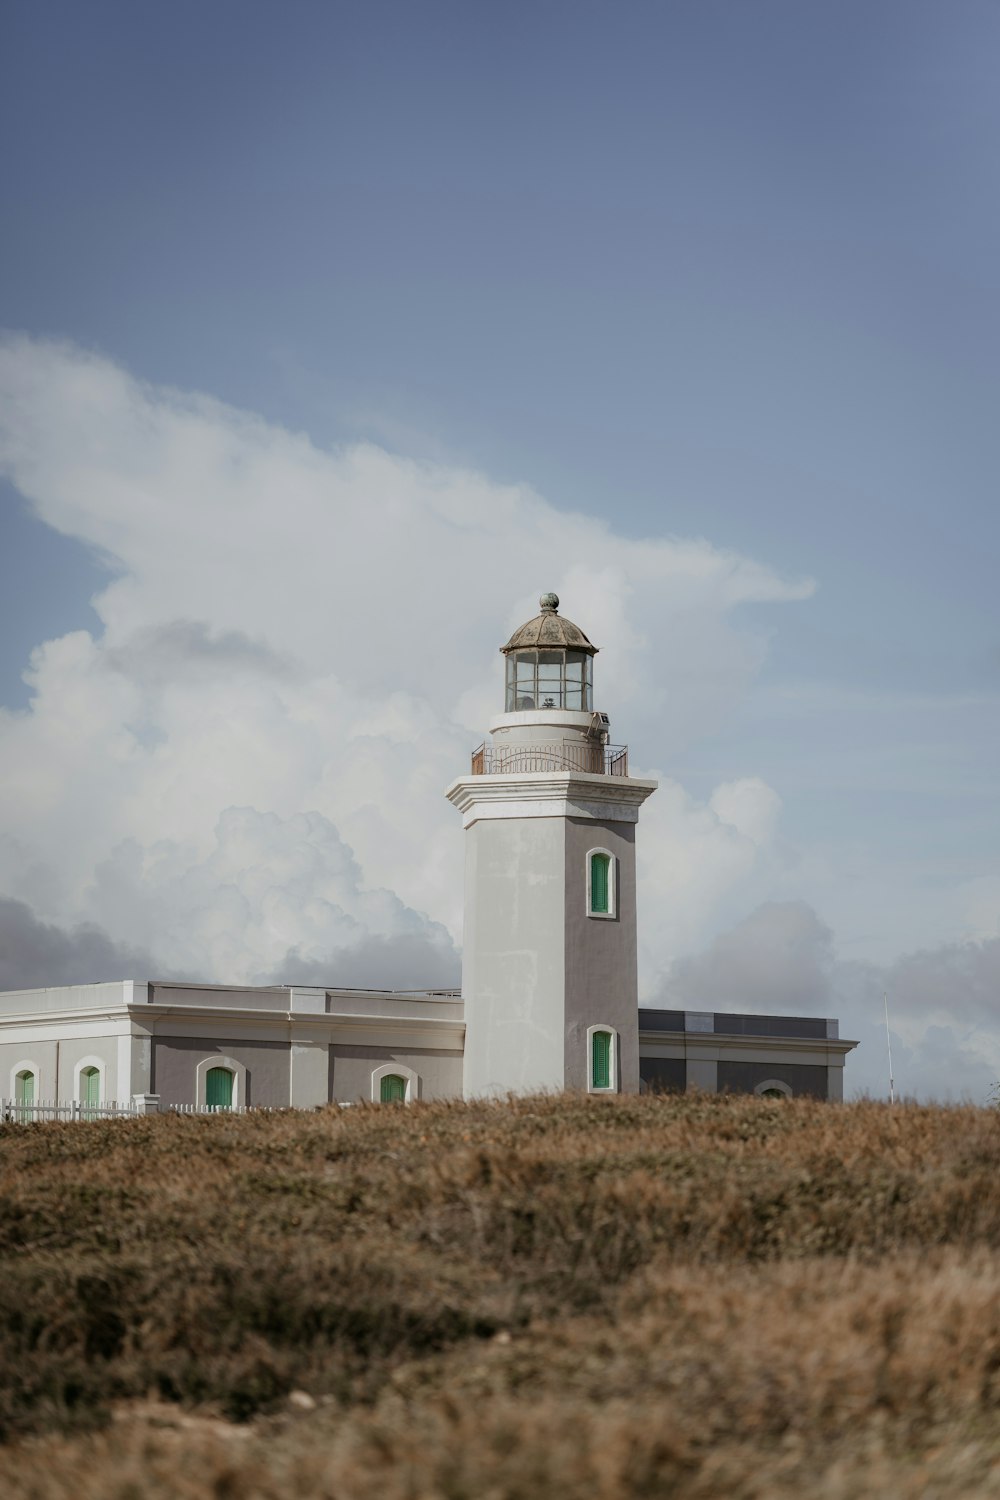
(549, 794)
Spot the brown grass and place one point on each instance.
(591, 1298)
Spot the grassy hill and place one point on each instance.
(589, 1299)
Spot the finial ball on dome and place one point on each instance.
(549, 601)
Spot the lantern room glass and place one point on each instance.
(549, 679)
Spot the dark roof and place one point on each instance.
(549, 629)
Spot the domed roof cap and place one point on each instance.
(550, 629)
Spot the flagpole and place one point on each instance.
(888, 1047)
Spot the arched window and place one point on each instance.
(90, 1087)
(219, 1088)
(602, 1060)
(24, 1087)
(600, 883)
(392, 1089)
(221, 1082)
(773, 1088)
(90, 1081)
(392, 1082)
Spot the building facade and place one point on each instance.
(549, 978)
(165, 1044)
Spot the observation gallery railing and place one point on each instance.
(510, 760)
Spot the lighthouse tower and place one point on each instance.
(550, 811)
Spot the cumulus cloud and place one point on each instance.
(269, 888)
(299, 648)
(958, 981)
(178, 648)
(779, 959)
(240, 776)
(943, 1002)
(700, 864)
(34, 954)
(408, 962)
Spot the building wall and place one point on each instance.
(55, 1061)
(290, 1057)
(744, 1077)
(175, 1059)
(117, 1082)
(663, 1075)
(66, 997)
(140, 1081)
(513, 960)
(439, 1070)
(42, 1054)
(248, 997)
(601, 975)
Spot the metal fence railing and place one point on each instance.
(511, 760)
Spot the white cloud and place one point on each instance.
(943, 1002)
(241, 777)
(778, 960)
(699, 865)
(299, 650)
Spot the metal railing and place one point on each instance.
(510, 760)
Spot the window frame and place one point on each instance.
(526, 682)
(26, 1065)
(79, 1068)
(612, 912)
(411, 1079)
(240, 1080)
(778, 1084)
(612, 1087)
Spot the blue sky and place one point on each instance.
(702, 270)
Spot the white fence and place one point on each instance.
(217, 1109)
(14, 1112)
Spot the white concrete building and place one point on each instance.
(549, 985)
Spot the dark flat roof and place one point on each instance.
(731, 1023)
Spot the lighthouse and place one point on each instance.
(549, 967)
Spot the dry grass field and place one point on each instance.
(589, 1299)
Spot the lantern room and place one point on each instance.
(549, 664)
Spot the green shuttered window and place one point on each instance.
(600, 883)
(392, 1089)
(24, 1088)
(90, 1086)
(600, 1060)
(219, 1088)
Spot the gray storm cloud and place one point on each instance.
(36, 954)
(944, 1003)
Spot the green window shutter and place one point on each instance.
(24, 1088)
(599, 881)
(600, 1061)
(219, 1088)
(90, 1087)
(392, 1089)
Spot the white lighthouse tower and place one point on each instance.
(550, 812)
